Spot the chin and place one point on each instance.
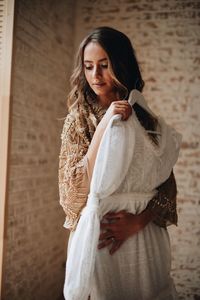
(101, 92)
(98, 93)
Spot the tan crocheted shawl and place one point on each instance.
(79, 127)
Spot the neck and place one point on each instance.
(106, 100)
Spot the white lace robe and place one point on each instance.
(127, 170)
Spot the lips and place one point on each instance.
(99, 83)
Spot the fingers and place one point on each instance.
(106, 235)
(110, 228)
(114, 215)
(115, 246)
(112, 218)
(105, 243)
(121, 102)
(125, 112)
(122, 107)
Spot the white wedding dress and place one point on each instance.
(128, 168)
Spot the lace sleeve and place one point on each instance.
(163, 205)
(72, 176)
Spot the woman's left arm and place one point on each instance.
(121, 225)
(163, 205)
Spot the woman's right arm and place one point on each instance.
(72, 175)
(76, 162)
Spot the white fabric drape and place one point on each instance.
(105, 180)
(111, 166)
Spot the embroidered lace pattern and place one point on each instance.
(73, 178)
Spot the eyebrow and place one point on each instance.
(90, 61)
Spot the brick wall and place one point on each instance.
(166, 36)
(34, 238)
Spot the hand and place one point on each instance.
(120, 226)
(121, 107)
(116, 107)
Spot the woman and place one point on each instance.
(105, 77)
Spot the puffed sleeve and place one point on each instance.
(73, 177)
(163, 205)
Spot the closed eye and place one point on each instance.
(104, 66)
(88, 67)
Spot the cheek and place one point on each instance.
(108, 76)
(109, 80)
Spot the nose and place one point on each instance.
(97, 72)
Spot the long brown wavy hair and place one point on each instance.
(124, 70)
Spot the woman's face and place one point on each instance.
(96, 69)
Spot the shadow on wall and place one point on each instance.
(35, 240)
